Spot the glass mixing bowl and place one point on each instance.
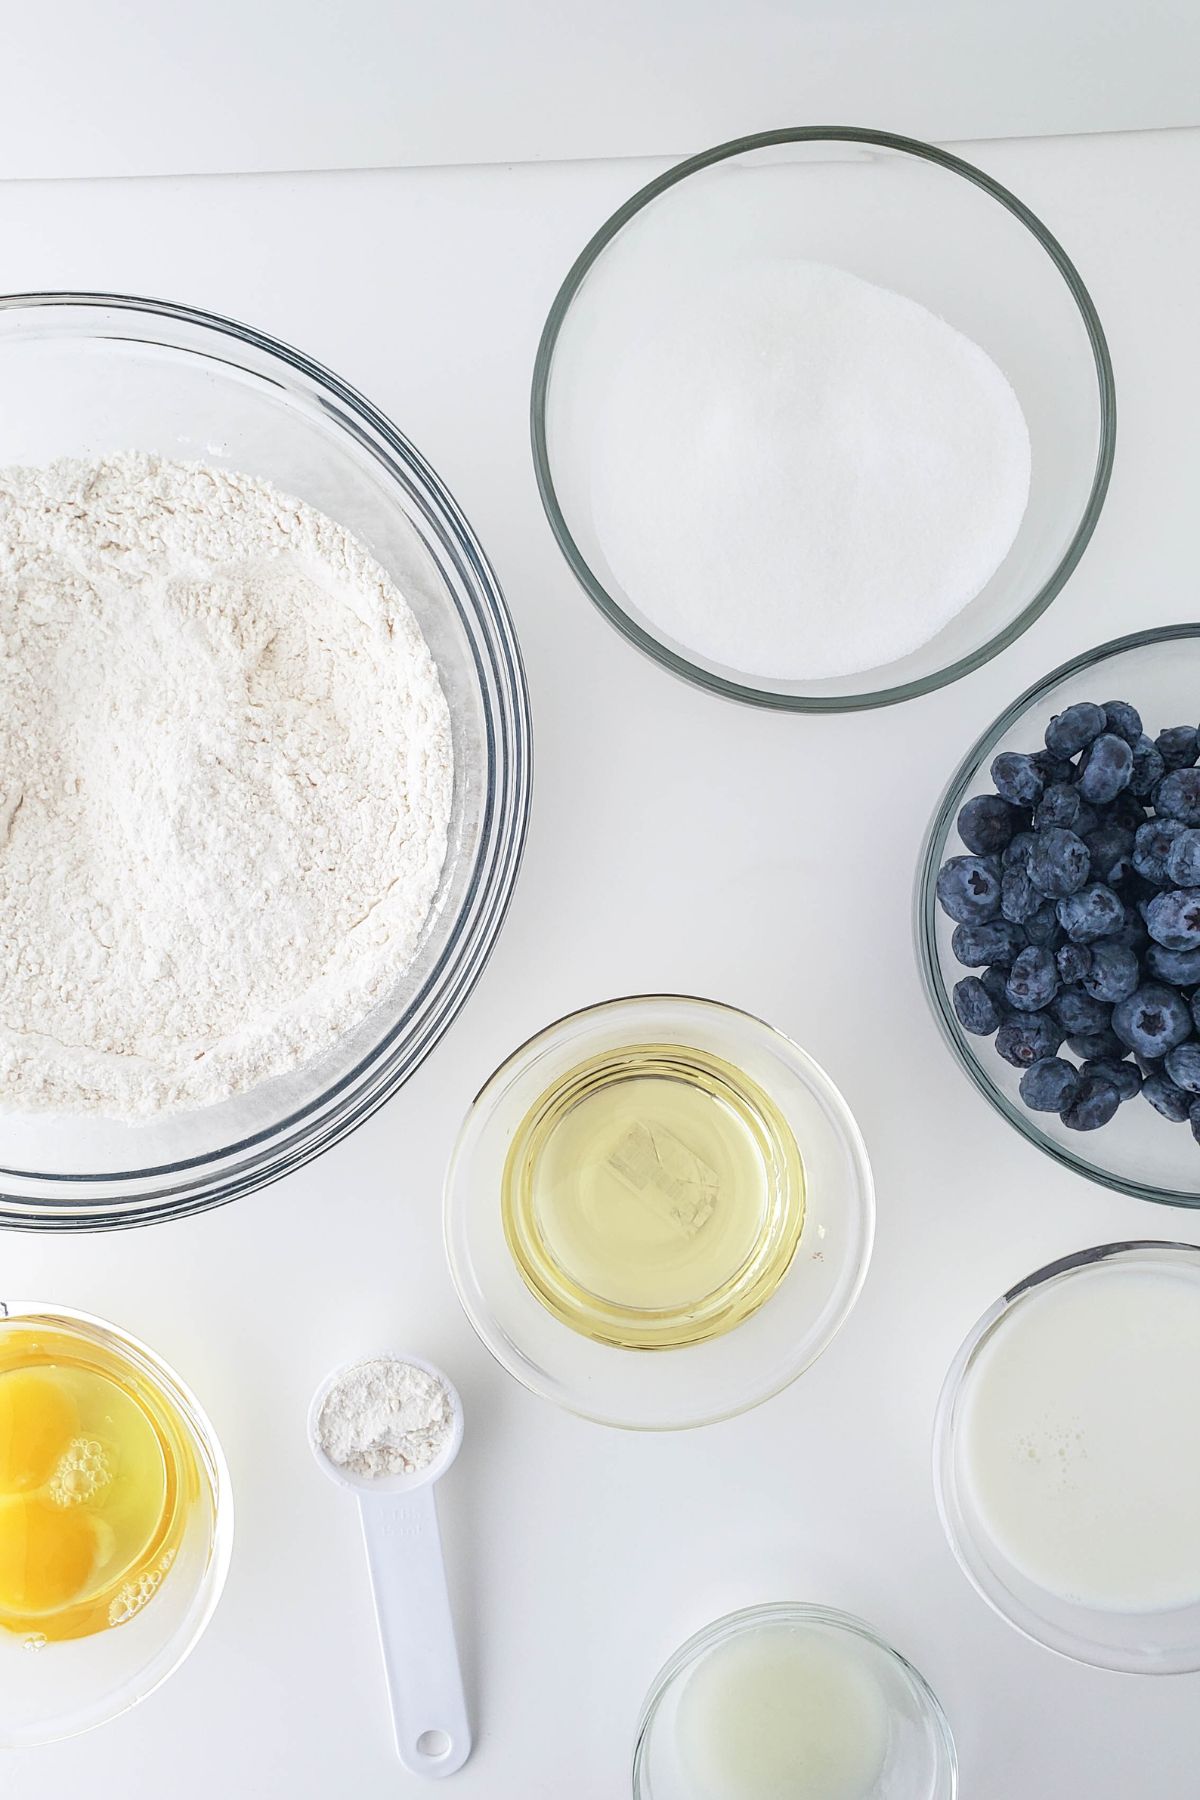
(1139, 1152)
(86, 374)
(905, 216)
(920, 1762)
(57, 1689)
(1138, 1643)
(664, 1388)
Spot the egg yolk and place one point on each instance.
(47, 1551)
(38, 1419)
(46, 1555)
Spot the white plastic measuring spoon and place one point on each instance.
(408, 1585)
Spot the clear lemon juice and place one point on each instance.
(783, 1714)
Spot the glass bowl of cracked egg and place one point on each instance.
(264, 759)
(116, 1522)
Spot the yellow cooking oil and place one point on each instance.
(653, 1196)
(97, 1476)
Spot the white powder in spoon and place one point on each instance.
(800, 475)
(385, 1417)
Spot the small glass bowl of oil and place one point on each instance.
(116, 1522)
(658, 1212)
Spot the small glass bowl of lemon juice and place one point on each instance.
(797, 1700)
(116, 1522)
(659, 1212)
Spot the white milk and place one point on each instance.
(783, 1713)
(1079, 1443)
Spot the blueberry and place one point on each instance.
(1126, 810)
(1132, 935)
(1177, 796)
(969, 890)
(1113, 975)
(1049, 1085)
(1171, 1101)
(1148, 768)
(1059, 805)
(1033, 981)
(1042, 927)
(1094, 1105)
(1177, 746)
(1024, 1038)
(1124, 719)
(1181, 969)
(1077, 1012)
(994, 981)
(1183, 1066)
(1135, 888)
(1052, 768)
(1073, 962)
(987, 823)
(1017, 778)
(1123, 1075)
(974, 1007)
(1071, 731)
(1110, 847)
(1059, 863)
(1019, 899)
(1173, 919)
(1015, 854)
(1096, 1046)
(1152, 848)
(1153, 1020)
(1107, 769)
(1183, 859)
(1194, 1119)
(1092, 913)
(996, 942)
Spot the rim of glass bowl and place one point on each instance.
(494, 1336)
(746, 691)
(1009, 1606)
(804, 1612)
(208, 1446)
(932, 854)
(265, 1156)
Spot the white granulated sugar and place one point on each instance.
(225, 782)
(800, 475)
(385, 1417)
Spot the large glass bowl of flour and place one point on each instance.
(87, 377)
(823, 418)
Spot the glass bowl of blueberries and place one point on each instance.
(1058, 914)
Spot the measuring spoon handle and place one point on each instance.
(416, 1631)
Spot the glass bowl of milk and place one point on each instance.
(792, 1699)
(1067, 1457)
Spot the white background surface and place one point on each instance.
(133, 87)
(681, 843)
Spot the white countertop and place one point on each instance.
(678, 843)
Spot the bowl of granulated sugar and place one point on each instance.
(823, 418)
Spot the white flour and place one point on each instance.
(225, 781)
(800, 475)
(385, 1417)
